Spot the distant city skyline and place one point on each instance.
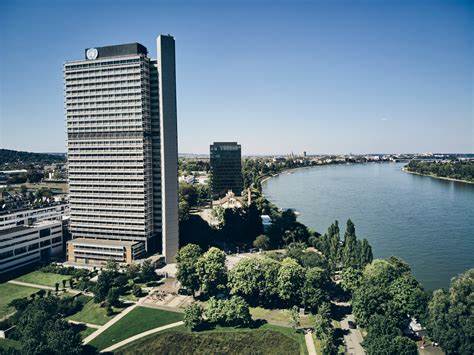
(322, 77)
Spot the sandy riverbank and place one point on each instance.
(437, 177)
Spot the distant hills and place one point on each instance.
(16, 158)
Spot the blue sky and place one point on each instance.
(276, 76)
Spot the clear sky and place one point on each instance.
(276, 76)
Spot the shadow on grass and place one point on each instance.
(254, 324)
(90, 350)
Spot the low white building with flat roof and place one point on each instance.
(26, 244)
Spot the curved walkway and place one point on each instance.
(141, 335)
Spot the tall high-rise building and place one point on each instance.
(226, 168)
(122, 153)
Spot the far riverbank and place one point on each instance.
(404, 169)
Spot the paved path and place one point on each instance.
(109, 324)
(353, 338)
(141, 335)
(69, 290)
(27, 284)
(90, 325)
(308, 337)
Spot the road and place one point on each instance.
(352, 337)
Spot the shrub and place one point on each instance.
(193, 316)
(232, 312)
(137, 290)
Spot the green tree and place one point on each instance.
(113, 296)
(183, 210)
(212, 271)
(132, 271)
(322, 321)
(290, 281)
(103, 285)
(231, 312)
(295, 317)
(193, 316)
(351, 279)
(112, 266)
(369, 300)
(256, 280)
(247, 279)
(137, 290)
(315, 288)
(365, 253)
(262, 242)
(381, 272)
(41, 330)
(450, 321)
(349, 251)
(237, 312)
(147, 271)
(186, 260)
(408, 296)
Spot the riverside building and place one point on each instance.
(226, 168)
(122, 153)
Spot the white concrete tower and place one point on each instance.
(169, 145)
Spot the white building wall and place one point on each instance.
(21, 246)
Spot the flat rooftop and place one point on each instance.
(26, 227)
(102, 242)
(12, 230)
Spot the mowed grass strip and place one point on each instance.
(280, 316)
(10, 292)
(137, 321)
(43, 278)
(267, 339)
(93, 313)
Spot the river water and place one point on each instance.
(427, 222)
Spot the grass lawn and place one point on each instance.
(10, 292)
(43, 278)
(137, 321)
(93, 313)
(86, 332)
(280, 316)
(268, 339)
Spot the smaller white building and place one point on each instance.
(27, 244)
(266, 222)
(26, 217)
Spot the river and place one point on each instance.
(427, 222)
